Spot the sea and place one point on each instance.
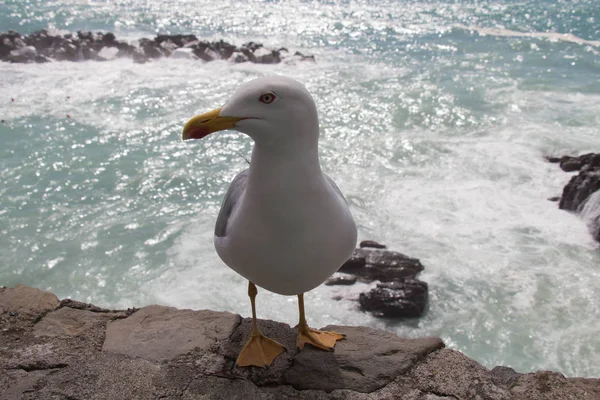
(436, 118)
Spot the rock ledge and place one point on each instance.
(72, 350)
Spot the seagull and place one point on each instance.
(283, 225)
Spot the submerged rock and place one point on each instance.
(45, 45)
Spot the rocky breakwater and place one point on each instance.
(52, 349)
(582, 194)
(398, 294)
(46, 45)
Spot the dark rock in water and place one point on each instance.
(382, 265)
(553, 159)
(371, 244)
(594, 226)
(553, 198)
(579, 189)
(341, 279)
(570, 164)
(402, 299)
(109, 38)
(150, 48)
(86, 45)
(400, 295)
(582, 188)
(25, 54)
(179, 40)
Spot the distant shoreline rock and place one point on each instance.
(52, 349)
(582, 194)
(46, 45)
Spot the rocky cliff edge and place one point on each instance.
(51, 349)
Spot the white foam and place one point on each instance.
(553, 36)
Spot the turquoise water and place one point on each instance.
(435, 118)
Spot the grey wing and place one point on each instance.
(335, 187)
(234, 193)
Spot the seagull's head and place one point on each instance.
(271, 110)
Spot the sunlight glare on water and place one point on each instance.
(436, 134)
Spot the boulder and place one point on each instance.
(27, 300)
(178, 40)
(582, 194)
(371, 244)
(381, 265)
(399, 294)
(108, 53)
(579, 189)
(25, 54)
(402, 299)
(183, 53)
(341, 279)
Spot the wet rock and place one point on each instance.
(25, 54)
(371, 244)
(404, 299)
(304, 57)
(341, 279)
(400, 295)
(139, 56)
(381, 265)
(265, 56)
(570, 164)
(108, 53)
(109, 39)
(183, 53)
(150, 48)
(178, 40)
(582, 194)
(239, 57)
(579, 189)
(87, 45)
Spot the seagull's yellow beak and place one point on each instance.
(207, 123)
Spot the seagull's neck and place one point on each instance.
(298, 166)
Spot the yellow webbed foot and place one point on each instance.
(259, 351)
(323, 340)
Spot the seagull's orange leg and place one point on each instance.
(323, 340)
(259, 351)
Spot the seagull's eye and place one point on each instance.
(267, 98)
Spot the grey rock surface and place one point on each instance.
(162, 333)
(356, 366)
(80, 351)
